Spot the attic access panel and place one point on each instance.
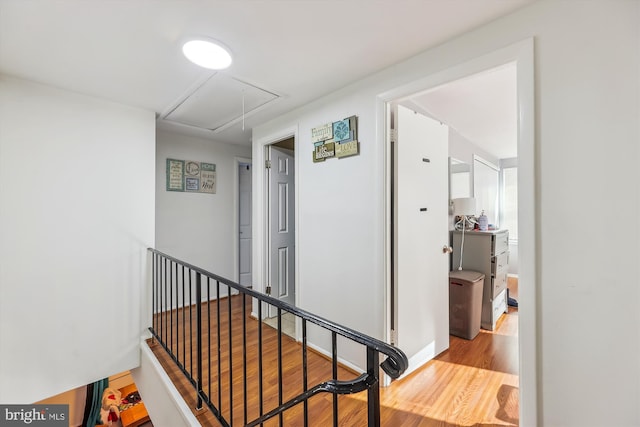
(218, 103)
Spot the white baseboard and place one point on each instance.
(420, 358)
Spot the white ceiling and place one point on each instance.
(286, 52)
(482, 108)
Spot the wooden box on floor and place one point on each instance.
(135, 415)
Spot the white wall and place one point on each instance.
(76, 399)
(163, 401)
(339, 221)
(76, 217)
(462, 149)
(586, 145)
(513, 244)
(199, 228)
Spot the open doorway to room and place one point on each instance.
(281, 229)
(437, 133)
(244, 221)
(507, 338)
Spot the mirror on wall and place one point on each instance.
(486, 185)
(459, 179)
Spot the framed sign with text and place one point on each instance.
(191, 176)
(337, 139)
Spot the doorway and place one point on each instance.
(281, 227)
(522, 55)
(244, 222)
(482, 123)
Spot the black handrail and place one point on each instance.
(164, 285)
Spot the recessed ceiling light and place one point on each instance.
(207, 54)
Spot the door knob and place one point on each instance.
(447, 249)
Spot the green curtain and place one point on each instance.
(93, 403)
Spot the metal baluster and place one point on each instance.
(373, 392)
(160, 296)
(305, 385)
(209, 333)
(334, 349)
(190, 324)
(164, 311)
(199, 339)
(177, 352)
(177, 288)
(230, 357)
(171, 307)
(244, 352)
(260, 391)
(156, 311)
(219, 349)
(153, 292)
(184, 323)
(280, 363)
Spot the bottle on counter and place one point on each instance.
(483, 222)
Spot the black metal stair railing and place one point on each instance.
(195, 311)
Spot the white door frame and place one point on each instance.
(522, 54)
(236, 216)
(260, 208)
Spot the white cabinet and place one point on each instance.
(486, 252)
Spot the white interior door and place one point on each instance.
(244, 220)
(421, 269)
(282, 224)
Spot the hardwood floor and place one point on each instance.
(473, 383)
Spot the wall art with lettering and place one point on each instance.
(191, 176)
(337, 139)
